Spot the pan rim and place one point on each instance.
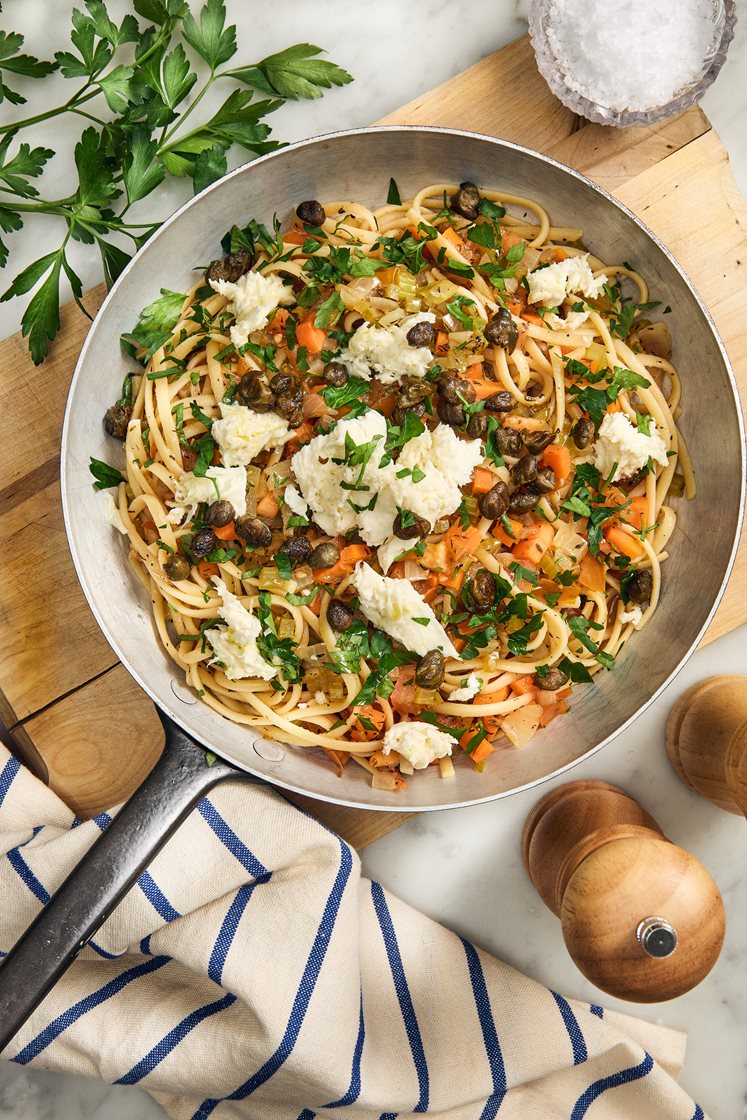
(184, 723)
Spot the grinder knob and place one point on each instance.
(641, 918)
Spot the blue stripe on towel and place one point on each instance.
(303, 995)
(228, 929)
(170, 1041)
(596, 1010)
(88, 1003)
(698, 1114)
(403, 994)
(489, 1033)
(578, 1043)
(157, 898)
(353, 1091)
(614, 1081)
(8, 773)
(230, 840)
(22, 869)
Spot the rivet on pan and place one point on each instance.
(271, 752)
(183, 693)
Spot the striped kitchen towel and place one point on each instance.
(253, 973)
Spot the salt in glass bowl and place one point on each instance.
(724, 19)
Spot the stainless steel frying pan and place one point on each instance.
(358, 165)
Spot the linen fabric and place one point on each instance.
(252, 972)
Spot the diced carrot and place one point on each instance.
(349, 557)
(549, 713)
(302, 434)
(509, 239)
(592, 574)
(559, 254)
(340, 758)
(462, 542)
(294, 236)
(315, 606)
(481, 384)
(623, 542)
(416, 233)
(533, 318)
(453, 580)
(268, 506)
(534, 547)
(636, 513)
(522, 685)
(449, 234)
(558, 459)
(367, 714)
(496, 697)
(225, 532)
(313, 338)
(498, 531)
(482, 480)
(207, 569)
(482, 751)
(402, 698)
(442, 343)
(278, 321)
(614, 406)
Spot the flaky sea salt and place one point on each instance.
(629, 54)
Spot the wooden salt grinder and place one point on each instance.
(707, 741)
(641, 918)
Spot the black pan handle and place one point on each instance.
(180, 778)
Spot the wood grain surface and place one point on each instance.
(60, 683)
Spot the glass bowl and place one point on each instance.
(724, 18)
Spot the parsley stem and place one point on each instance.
(71, 104)
(167, 133)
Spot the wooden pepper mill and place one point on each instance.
(707, 741)
(641, 918)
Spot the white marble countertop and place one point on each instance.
(462, 867)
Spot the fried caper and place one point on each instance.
(466, 201)
(582, 432)
(311, 213)
(552, 680)
(451, 414)
(297, 549)
(537, 441)
(421, 334)
(289, 404)
(508, 442)
(545, 481)
(481, 591)
(430, 669)
(502, 330)
(281, 383)
(176, 568)
(640, 587)
(455, 390)
(477, 425)
(525, 470)
(407, 526)
(339, 615)
(254, 392)
(220, 514)
(523, 501)
(230, 268)
(254, 531)
(336, 373)
(500, 402)
(495, 503)
(116, 420)
(399, 414)
(325, 555)
(203, 542)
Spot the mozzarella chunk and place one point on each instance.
(390, 550)
(420, 743)
(550, 286)
(235, 644)
(111, 512)
(295, 502)
(393, 605)
(447, 463)
(219, 483)
(631, 614)
(320, 478)
(620, 445)
(241, 433)
(252, 301)
(386, 351)
(468, 690)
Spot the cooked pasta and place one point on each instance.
(397, 480)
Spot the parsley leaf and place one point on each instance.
(105, 475)
(393, 196)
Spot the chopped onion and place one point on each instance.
(387, 779)
(520, 725)
(314, 405)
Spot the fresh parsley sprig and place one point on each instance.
(137, 86)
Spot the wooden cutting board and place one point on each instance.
(67, 704)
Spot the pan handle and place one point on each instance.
(93, 888)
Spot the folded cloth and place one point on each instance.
(253, 973)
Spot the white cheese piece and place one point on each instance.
(632, 614)
(241, 433)
(320, 478)
(390, 550)
(468, 690)
(320, 697)
(619, 442)
(111, 512)
(420, 743)
(392, 605)
(252, 301)
(295, 502)
(386, 351)
(550, 286)
(226, 484)
(572, 321)
(447, 463)
(235, 645)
